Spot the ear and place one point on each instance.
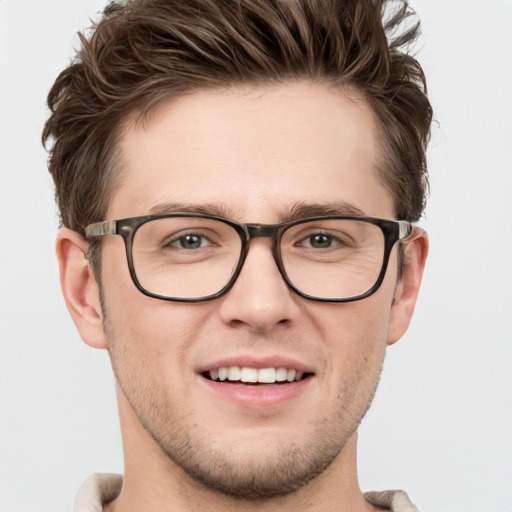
(80, 290)
(407, 289)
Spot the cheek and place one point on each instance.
(355, 336)
(149, 345)
(138, 318)
(354, 325)
(156, 329)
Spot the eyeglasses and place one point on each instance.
(191, 257)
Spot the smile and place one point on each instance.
(250, 375)
(257, 382)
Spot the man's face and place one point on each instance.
(251, 155)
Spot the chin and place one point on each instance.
(253, 476)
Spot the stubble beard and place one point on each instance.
(240, 475)
(248, 479)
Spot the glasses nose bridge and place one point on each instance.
(262, 231)
(272, 231)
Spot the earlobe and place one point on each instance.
(406, 292)
(80, 290)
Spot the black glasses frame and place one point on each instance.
(393, 231)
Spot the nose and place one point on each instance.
(260, 299)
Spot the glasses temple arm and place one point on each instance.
(107, 227)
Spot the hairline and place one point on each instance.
(140, 115)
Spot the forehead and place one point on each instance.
(253, 153)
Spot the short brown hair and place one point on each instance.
(143, 51)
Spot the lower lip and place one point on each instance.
(264, 396)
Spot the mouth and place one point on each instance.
(250, 376)
(257, 382)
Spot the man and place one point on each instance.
(237, 183)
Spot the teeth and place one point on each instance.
(234, 373)
(253, 375)
(267, 375)
(249, 374)
(281, 374)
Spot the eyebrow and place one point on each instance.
(301, 210)
(218, 210)
(304, 210)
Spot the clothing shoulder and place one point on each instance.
(396, 501)
(97, 490)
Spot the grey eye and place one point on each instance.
(190, 241)
(319, 241)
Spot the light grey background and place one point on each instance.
(441, 423)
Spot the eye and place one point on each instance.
(320, 241)
(189, 241)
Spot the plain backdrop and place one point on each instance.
(441, 423)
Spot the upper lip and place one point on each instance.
(258, 362)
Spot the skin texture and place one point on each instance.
(252, 155)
